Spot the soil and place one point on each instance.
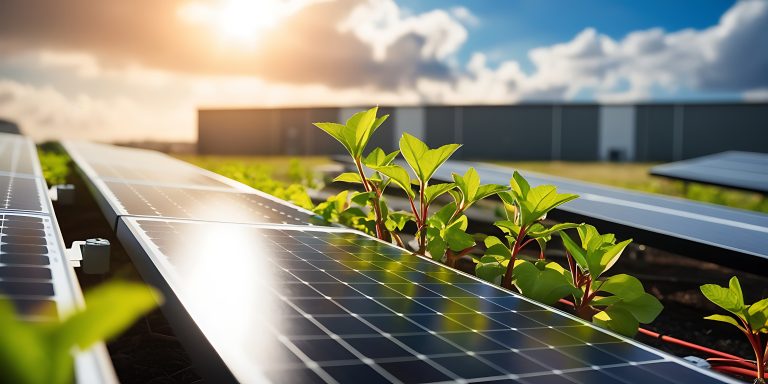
(150, 353)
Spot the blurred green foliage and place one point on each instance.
(41, 352)
(54, 162)
(282, 177)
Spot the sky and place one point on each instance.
(138, 70)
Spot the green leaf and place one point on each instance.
(492, 271)
(440, 218)
(544, 232)
(436, 245)
(624, 286)
(432, 192)
(399, 176)
(362, 124)
(730, 299)
(508, 227)
(757, 315)
(362, 198)
(24, 354)
(644, 308)
(520, 186)
(611, 256)
(618, 320)
(338, 132)
(457, 239)
(544, 283)
(486, 190)
(349, 177)
(398, 220)
(579, 254)
(379, 158)
(421, 159)
(726, 319)
(110, 308)
(468, 184)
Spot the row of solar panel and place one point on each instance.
(34, 273)
(285, 301)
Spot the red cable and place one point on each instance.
(679, 342)
(743, 363)
(738, 371)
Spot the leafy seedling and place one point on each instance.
(618, 302)
(525, 208)
(34, 352)
(751, 320)
(354, 136)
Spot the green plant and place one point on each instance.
(34, 353)
(618, 302)
(525, 208)
(55, 166)
(751, 320)
(354, 136)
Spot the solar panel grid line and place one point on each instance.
(318, 318)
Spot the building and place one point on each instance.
(569, 132)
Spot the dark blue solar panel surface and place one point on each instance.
(696, 229)
(733, 169)
(293, 304)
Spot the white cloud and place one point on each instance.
(382, 23)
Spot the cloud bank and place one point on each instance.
(335, 53)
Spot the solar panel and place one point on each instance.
(22, 193)
(723, 235)
(109, 162)
(310, 304)
(732, 169)
(16, 155)
(133, 183)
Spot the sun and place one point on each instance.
(242, 21)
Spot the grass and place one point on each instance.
(636, 176)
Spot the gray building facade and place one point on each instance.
(568, 132)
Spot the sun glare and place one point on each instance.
(241, 21)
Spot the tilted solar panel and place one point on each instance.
(310, 304)
(131, 165)
(23, 193)
(133, 183)
(17, 155)
(732, 169)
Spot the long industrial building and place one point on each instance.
(568, 132)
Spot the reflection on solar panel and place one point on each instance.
(723, 235)
(16, 155)
(158, 201)
(302, 304)
(132, 165)
(133, 182)
(733, 169)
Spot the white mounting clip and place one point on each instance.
(92, 255)
(63, 194)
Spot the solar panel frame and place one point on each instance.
(112, 207)
(722, 235)
(747, 171)
(154, 265)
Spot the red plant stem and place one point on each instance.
(376, 209)
(423, 226)
(507, 281)
(738, 371)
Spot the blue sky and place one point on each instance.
(140, 69)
